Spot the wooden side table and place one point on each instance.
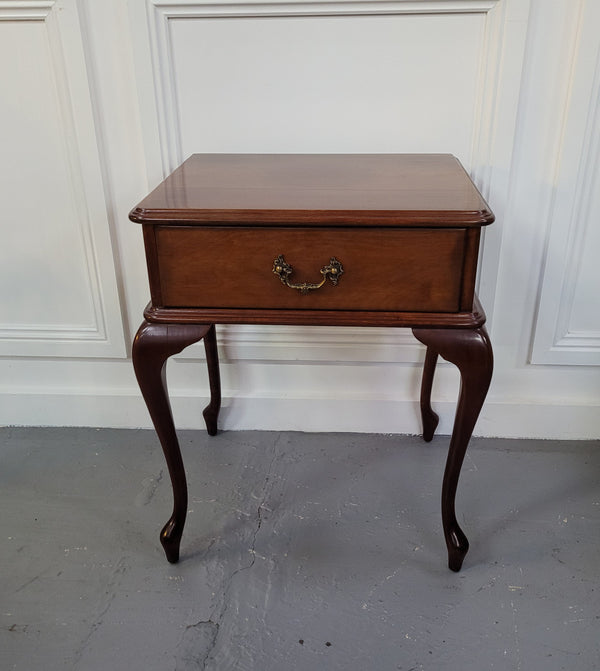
(337, 240)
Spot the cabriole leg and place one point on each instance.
(211, 412)
(153, 345)
(429, 417)
(471, 351)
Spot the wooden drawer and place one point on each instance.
(387, 269)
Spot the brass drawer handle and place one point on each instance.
(331, 272)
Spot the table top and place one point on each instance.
(317, 189)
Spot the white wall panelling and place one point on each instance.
(296, 76)
(567, 329)
(102, 99)
(59, 293)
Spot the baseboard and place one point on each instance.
(363, 415)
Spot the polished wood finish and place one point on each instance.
(211, 412)
(406, 230)
(416, 272)
(152, 347)
(466, 319)
(317, 190)
(471, 351)
(430, 419)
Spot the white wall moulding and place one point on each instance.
(567, 328)
(25, 10)
(176, 8)
(485, 39)
(312, 344)
(56, 262)
(125, 409)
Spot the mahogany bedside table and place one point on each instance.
(336, 240)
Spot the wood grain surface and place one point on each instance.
(317, 189)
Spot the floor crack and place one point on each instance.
(204, 630)
(215, 633)
(216, 621)
(103, 607)
(149, 487)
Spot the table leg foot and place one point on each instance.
(154, 343)
(170, 538)
(429, 418)
(471, 351)
(458, 546)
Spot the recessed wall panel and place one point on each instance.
(400, 83)
(43, 266)
(59, 294)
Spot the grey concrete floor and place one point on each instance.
(301, 552)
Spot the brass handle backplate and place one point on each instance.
(332, 272)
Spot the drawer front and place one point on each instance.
(383, 269)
